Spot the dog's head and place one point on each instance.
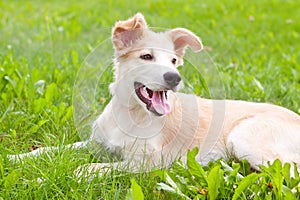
(146, 63)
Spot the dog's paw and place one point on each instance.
(32, 154)
(14, 158)
(93, 170)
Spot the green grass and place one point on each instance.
(42, 45)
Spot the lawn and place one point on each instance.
(254, 54)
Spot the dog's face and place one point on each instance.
(146, 63)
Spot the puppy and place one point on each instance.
(151, 124)
(148, 121)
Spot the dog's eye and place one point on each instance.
(146, 57)
(174, 61)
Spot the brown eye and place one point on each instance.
(146, 57)
(174, 61)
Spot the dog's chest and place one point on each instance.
(125, 136)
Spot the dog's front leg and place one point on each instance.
(92, 170)
(43, 150)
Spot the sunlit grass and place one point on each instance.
(43, 44)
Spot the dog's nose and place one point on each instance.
(172, 79)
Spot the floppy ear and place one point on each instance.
(124, 33)
(182, 38)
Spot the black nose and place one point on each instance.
(172, 79)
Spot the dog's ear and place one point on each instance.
(182, 38)
(124, 33)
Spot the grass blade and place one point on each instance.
(244, 184)
(214, 179)
(135, 192)
(194, 167)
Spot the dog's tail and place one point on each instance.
(43, 150)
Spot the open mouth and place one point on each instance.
(155, 100)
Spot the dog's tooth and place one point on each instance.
(150, 92)
(144, 92)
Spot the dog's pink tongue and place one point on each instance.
(160, 103)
